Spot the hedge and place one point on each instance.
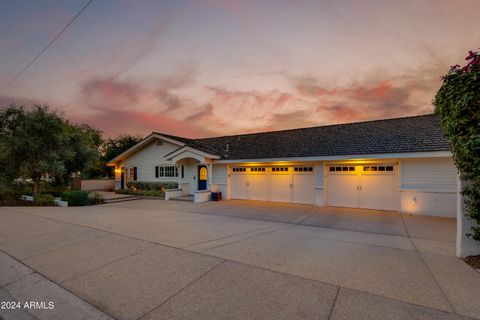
(151, 186)
(44, 200)
(75, 198)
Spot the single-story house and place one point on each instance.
(401, 164)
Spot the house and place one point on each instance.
(401, 164)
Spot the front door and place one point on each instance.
(202, 178)
(122, 178)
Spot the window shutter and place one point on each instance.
(134, 173)
(183, 171)
(156, 172)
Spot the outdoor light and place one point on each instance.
(118, 170)
(414, 201)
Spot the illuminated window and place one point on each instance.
(203, 173)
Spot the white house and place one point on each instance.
(402, 164)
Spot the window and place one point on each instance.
(166, 171)
(239, 169)
(378, 168)
(303, 169)
(203, 173)
(257, 169)
(279, 169)
(339, 169)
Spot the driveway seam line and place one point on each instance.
(236, 241)
(64, 247)
(333, 304)
(182, 289)
(254, 266)
(428, 269)
(107, 264)
(223, 238)
(58, 285)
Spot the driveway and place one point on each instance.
(153, 259)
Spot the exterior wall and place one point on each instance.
(147, 158)
(220, 178)
(428, 186)
(320, 184)
(89, 185)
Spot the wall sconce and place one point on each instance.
(118, 170)
(414, 201)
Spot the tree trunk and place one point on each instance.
(36, 184)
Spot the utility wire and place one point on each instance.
(47, 46)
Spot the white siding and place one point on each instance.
(220, 177)
(428, 186)
(147, 158)
(320, 184)
(433, 174)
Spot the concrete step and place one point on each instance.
(122, 199)
(188, 198)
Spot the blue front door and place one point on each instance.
(202, 178)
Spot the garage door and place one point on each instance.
(279, 183)
(366, 186)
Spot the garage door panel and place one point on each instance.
(257, 187)
(303, 188)
(280, 187)
(378, 192)
(239, 188)
(342, 190)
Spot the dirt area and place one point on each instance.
(473, 261)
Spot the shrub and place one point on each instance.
(95, 198)
(150, 193)
(151, 186)
(458, 104)
(75, 198)
(44, 200)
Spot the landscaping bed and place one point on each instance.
(474, 262)
(148, 189)
(16, 203)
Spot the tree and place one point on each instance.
(112, 147)
(39, 143)
(458, 104)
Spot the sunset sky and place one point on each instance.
(204, 68)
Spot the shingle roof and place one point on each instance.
(409, 134)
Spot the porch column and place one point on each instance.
(209, 175)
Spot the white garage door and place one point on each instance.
(282, 184)
(368, 186)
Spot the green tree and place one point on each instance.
(39, 143)
(458, 104)
(112, 147)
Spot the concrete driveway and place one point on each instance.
(153, 259)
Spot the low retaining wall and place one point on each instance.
(201, 196)
(173, 193)
(89, 185)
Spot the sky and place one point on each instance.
(204, 68)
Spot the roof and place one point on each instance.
(400, 135)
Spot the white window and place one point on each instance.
(166, 171)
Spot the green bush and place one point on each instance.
(9, 195)
(458, 104)
(95, 198)
(149, 193)
(151, 186)
(75, 198)
(44, 200)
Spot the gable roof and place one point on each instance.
(400, 135)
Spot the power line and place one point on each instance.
(48, 45)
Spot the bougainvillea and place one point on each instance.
(458, 104)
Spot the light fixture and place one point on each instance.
(414, 201)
